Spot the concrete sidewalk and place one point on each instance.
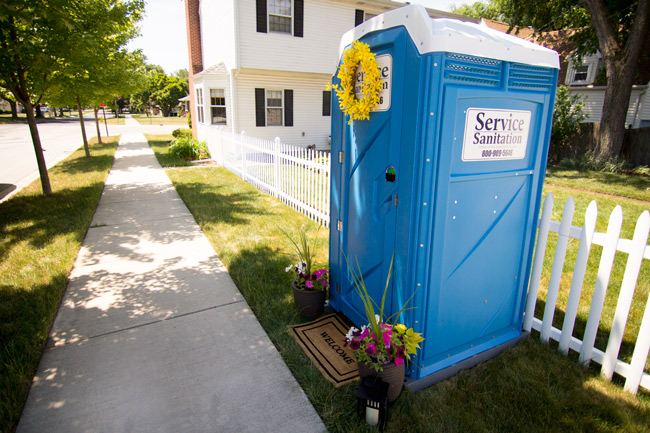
(152, 334)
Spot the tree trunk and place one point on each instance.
(617, 100)
(83, 128)
(39, 113)
(621, 63)
(14, 109)
(99, 134)
(36, 140)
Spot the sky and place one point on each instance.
(164, 36)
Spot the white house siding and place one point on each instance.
(218, 32)
(324, 24)
(308, 116)
(594, 98)
(207, 82)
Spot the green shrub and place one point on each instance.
(189, 148)
(567, 115)
(182, 132)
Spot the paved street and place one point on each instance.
(59, 138)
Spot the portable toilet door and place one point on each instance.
(368, 177)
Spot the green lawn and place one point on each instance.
(39, 241)
(160, 120)
(530, 388)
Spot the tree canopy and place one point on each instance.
(48, 41)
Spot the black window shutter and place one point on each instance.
(327, 103)
(261, 16)
(260, 109)
(288, 108)
(298, 9)
(358, 17)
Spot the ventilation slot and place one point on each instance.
(527, 77)
(473, 70)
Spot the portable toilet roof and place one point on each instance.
(454, 36)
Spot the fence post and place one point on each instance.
(558, 267)
(276, 166)
(243, 157)
(538, 263)
(579, 269)
(602, 281)
(632, 268)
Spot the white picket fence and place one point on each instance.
(637, 250)
(297, 176)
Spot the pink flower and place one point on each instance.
(309, 284)
(371, 349)
(399, 361)
(364, 334)
(386, 336)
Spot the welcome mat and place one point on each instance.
(322, 341)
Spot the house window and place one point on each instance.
(360, 16)
(581, 73)
(584, 72)
(199, 105)
(218, 106)
(280, 16)
(274, 108)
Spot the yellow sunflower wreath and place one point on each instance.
(358, 54)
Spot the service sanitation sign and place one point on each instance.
(385, 64)
(495, 134)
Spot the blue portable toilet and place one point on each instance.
(446, 177)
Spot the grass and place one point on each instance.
(530, 388)
(39, 240)
(160, 120)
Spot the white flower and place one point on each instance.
(377, 318)
(288, 268)
(348, 336)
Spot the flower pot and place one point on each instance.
(392, 374)
(310, 303)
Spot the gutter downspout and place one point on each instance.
(639, 107)
(234, 73)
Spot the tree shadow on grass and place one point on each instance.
(38, 219)
(25, 319)
(259, 274)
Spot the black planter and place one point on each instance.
(310, 303)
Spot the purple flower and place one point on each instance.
(354, 345)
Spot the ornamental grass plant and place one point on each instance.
(305, 277)
(380, 342)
